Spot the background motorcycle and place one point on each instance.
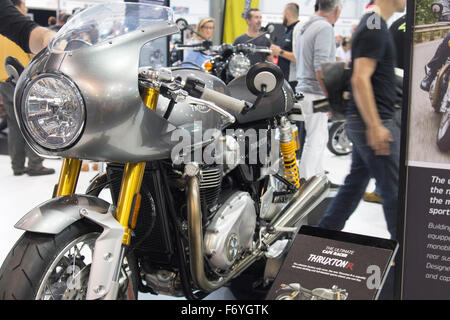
(175, 226)
(228, 61)
(337, 81)
(440, 96)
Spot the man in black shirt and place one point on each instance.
(370, 124)
(21, 30)
(253, 18)
(286, 60)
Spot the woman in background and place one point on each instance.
(344, 52)
(206, 29)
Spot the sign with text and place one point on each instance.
(332, 265)
(426, 238)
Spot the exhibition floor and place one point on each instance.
(20, 194)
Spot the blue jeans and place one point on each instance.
(365, 164)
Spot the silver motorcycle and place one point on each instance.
(192, 208)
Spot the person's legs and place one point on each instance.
(16, 143)
(350, 193)
(386, 173)
(316, 126)
(365, 164)
(348, 196)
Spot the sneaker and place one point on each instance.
(426, 82)
(40, 171)
(372, 197)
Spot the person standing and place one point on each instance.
(316, 45)
(370, 120)
(253, 35)
(17, 148)
(205, 30)
(287, 61)
(26, 33)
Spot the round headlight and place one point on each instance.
(53, 111)
(239, 65)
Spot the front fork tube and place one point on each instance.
(68, 178)
(127, 206)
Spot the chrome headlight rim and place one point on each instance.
(234, 72)
(22, 116)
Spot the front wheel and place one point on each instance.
(57, 267)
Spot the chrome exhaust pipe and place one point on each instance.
(302, 203)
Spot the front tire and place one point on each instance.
(56, 267)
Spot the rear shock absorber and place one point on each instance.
(288, 146)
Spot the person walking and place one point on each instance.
(370, 120)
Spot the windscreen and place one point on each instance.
(105, 22)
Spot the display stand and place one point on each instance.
(331, 265)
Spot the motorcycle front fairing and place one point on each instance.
(117, 124)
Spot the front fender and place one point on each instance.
(53, 216)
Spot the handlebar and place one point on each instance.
(241, 47)
(193, 91)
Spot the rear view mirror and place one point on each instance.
(264, 78)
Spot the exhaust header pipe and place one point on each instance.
(302, 203)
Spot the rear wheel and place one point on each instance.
(338, 142)
(57, 267)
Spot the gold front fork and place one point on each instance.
(68, 177)
(129, 197)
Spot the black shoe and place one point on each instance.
(41, 171)
(426, 82)
(19, 172)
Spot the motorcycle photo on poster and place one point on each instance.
(202, 174)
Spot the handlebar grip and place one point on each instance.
(223, 100)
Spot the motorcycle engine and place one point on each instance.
(231, 231)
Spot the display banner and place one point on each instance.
(234, 22)
(331, 265)
(426, 242)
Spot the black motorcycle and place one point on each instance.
(227, 61)
(440, 97)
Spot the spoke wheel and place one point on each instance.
(57, 267)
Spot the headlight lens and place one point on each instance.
(53, 111)
(239, 65)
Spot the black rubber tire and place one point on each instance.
(335, 127)
(444, 141)
(28, 261)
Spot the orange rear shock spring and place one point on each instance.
(288, 146)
